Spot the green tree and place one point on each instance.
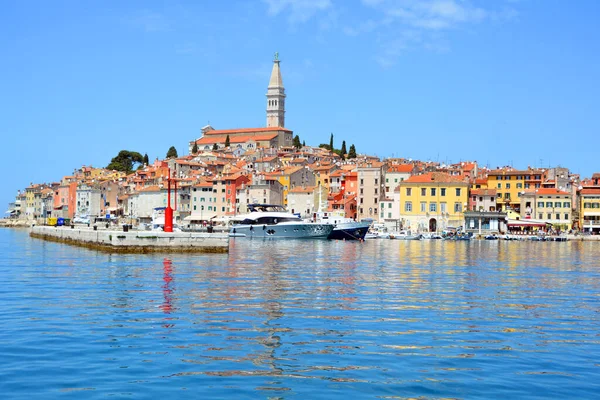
(172, 153)
(297, 142)
(343, 150)
(352, 152)
(125, 160)
(215, 147)
(227, 142)
(331, 142)
(195, 148)
(146, 160)
(303, 143)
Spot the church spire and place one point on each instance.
(276, 97)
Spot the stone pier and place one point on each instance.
(114, 241)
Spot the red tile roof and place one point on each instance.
(406, 168)
(236, 139)
(551, 191)
(434, 177)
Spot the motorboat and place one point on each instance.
(377, 231)
(432, 236)
(406, 235)
(492, 236)
(273, 221)
(344, 228)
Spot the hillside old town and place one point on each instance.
(228, 169)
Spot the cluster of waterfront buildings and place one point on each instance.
(228, 169)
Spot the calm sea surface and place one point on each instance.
(302, 319)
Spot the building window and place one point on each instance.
(389, 215)
(557, 216)
(549, 204)
(507, 195)
(408, 206)
(499, 186)
(566, 217)
(549, 216)
(408, 191)
(519, 186)
(194, 208)
(557, 204)
(375, 200)
(423, 192)
(423, 206)
(443, 192)
(362, 181)
(458, 191)
(433, 207)
(527, 186)
(443, 207)
(508, 185)
(457, 206)
(540, 204)
(389, 205)
(540, 216)
(433, 191)
(375, 190)
(376, 181)
(566, 204)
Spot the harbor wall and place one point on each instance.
(135, 241)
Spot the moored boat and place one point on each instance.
(343, 228)
(273, 221)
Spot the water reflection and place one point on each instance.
(307, 319)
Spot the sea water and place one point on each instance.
(302, 319)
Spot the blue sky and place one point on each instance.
(503, 82)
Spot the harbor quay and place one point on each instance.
(114, 241)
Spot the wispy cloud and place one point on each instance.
(151, 21)
(298, 10)
(403, 25)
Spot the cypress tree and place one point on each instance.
(227, 142)
(195, 148)
(352, 152)
(172, 153)
(331, 142)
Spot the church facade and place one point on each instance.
(274, 134)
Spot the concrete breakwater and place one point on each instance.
(113, 241)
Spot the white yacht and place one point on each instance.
(273, 221)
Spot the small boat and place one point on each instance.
(273, 221)
(377, 231)
(343, 228)
(491, 237)
(432, 236)
(405, 235)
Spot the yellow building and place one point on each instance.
(433, 202)
(589, 210)
(510, 184)
(292, 177)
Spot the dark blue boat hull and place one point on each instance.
(357, 233)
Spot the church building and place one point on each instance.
(274, 134)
